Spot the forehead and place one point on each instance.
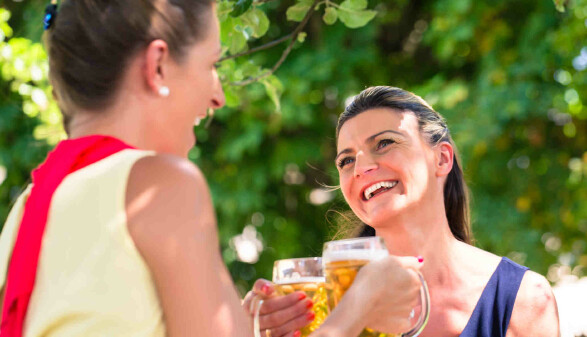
(359, 128)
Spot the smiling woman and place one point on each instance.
(399, 173)
(434, 129)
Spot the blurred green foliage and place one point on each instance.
(509, 76)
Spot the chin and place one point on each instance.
(188, 143)
(382, 217)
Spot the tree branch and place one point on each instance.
(293, 36)
(256, 49)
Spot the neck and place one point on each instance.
(428, 235)
(128, 120)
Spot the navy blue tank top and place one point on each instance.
(492, 313)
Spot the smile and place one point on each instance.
(378, 188)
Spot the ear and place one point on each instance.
(155, 63)
(444, 159)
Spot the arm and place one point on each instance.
(172, 222)
(535, 312)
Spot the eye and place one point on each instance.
(384, 142)
(344, 161)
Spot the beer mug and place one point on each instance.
(301, 274)
(342, 260)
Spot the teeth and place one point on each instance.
(375, 187)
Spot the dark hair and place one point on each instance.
(433, 126)
(91, 41)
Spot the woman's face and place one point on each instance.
(194, 85)
(386, 168)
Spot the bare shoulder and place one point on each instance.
(167, 196)
(478, 262)
(535, 311)
(163, 171)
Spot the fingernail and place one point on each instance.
(298, 333)
(266, 289)
(310, 316)
(420, 259)
(309, 304)
(301, 296)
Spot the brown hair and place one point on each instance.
(433, 126)
(91, 41)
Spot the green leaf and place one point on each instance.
(302, 37)
(298, 11)
(257, 20)
(249, 69)
(354, 5)
(223, 8)
(560, 5)
(241, 7)
(231, 96)
(274, 89)
(356, 19)
(238, 42)
(330, 16)
(4, 15)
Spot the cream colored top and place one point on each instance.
(91, 280)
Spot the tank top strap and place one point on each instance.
(492, 313)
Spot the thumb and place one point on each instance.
(411, 262)
(263, 288)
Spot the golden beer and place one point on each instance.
(315, 289)
(340, 269)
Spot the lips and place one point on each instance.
(374, 189)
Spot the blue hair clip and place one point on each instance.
(50, 14)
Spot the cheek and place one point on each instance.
(345, 187)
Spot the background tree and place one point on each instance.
(509, 76)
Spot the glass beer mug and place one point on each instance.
(301, 274)
(342, 260)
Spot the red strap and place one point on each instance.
(67, 157)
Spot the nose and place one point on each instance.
(364, 163)
(218, 99)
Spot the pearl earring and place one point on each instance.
(163, 91)
(197, 121)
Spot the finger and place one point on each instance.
(296, 333)
(290, 327)
(282, 302)
(281, 317)
(263, 287)
(246, 303)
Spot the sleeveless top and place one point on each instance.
(493, 311)
(91, 280)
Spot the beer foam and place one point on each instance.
(355, 254)
(304, 279)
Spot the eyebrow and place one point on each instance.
(368, 140)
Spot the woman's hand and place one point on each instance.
(381, 297)
(392, 289)
(283, 316)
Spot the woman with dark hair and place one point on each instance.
(117, 236)
(400, 174)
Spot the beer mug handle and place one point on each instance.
(257, 310)
(424, 313)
